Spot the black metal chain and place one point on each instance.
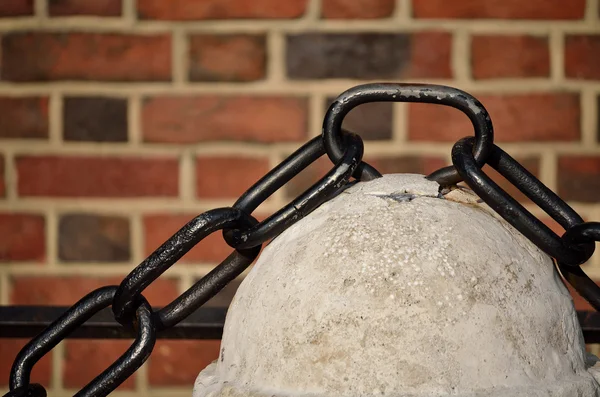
(422, 93)
(320, 192)
(79, 313)
(31, 390)
(126, 298)
(571, 254)
(246, 235)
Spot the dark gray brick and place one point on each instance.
(95, 119)
(23, 117)
(359, 56)
(89, 237)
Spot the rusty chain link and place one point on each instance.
(246, 235)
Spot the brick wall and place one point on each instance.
(122, 119)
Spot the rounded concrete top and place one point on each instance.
(391, 289)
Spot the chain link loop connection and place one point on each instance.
(126, 297)
(583, 233)
(30, 390)
(514, 213)
(80, 312)
(320, 192)
(420, 93)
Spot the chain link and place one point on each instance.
(573, 254)
(126, 298)
(79, 313)
(30, 390)
(420, 93)
(323, 190)
(246, 235)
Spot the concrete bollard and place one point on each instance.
(394, 289)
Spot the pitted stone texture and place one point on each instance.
(391, 289)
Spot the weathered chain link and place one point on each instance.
(126, 298)
(583, 233)
(421, 93)
(79, 313)
(246, 235)
(30, 390)
(573, 254)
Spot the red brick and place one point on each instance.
(16, 8)
(227, 57)
(9, 348)
(177, 363)
(105, 8)
(228, 177)
(23, 117)
(160, 227)
(86, 359)
(582, 57)
(357, 9)
(516, 118)
(224, 118)
(46, 56)
(510, 56)
(55, 176)
(220, 9)
(578, 178)
(430, 55)
(22, 237)
(500, 9)
(66, 290)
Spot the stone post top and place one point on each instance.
(395, 288)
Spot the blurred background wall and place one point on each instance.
(121, 119)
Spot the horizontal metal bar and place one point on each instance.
(28, 321)
(204, 323)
